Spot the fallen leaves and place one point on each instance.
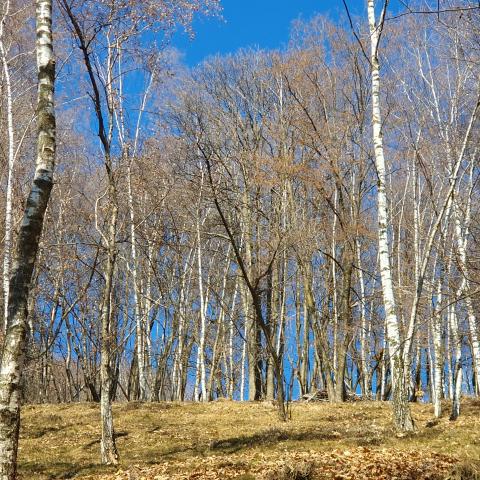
(353, 464)
(245, 441)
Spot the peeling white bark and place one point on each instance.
(402, 416)
(11, 364)
(10, 162)
(438, 352)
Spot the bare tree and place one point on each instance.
(13, 351)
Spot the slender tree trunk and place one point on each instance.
(448, 355)
(305, 350)
(230, 358)
(201, 369)
(272, 320)
(246, 314)
(181, 314)
(335, 288)
(364, 336)
(253, 353)
(221, 330)
(401, 408)
(344, 320)
(108, 447)
(438, 352)
(456, 341)
(11, 159)
(139, 320)
(27, 246)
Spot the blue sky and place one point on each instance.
(248, 23)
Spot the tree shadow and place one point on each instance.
(60, 470)
(97, 440)
(269, 437)
(41, 431)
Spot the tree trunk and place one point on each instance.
(201, 369)
(246, 313)
(344, 318)
(108, 448)
(11, 159)
(27, 246)
(272, 321)
(402, 417)
(456, 341)
(364, 333)
(438, 352)
(140, 324)
(231, 360)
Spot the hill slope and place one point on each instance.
(241, 440)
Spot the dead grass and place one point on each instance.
(243, 440)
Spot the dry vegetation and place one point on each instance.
(246, 441)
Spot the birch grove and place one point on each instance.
(266, 225)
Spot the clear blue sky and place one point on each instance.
(262, 23)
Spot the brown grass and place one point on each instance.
(242, 440)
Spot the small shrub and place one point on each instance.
(464, 471)
(51, 418)
(134, 405)
(298, 471)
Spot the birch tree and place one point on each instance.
(11, 158)
(27, 246)
(401, 409)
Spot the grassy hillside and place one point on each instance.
(246, 441)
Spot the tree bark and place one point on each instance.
(27, 246)
(402, 417)
(201, 368)
(438, 351)
(140, 324)
(108, 447)
(11, 160)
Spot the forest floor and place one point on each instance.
(224, 440)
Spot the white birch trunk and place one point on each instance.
(364, 337)
(402, 416)
(383, 369)
(10, 162)
(231, 360)
(438, 352)
(220, 330)
(334, 284)
(147, 324)
(139, 320)
(178, 369)
(246, 313)
(448, 356)
(27, 246)
(201, 371)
